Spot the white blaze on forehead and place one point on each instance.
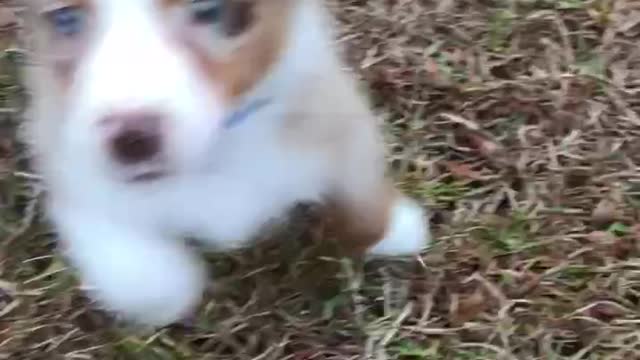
(133, 59)
(130, 58)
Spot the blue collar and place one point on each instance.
(243, 112)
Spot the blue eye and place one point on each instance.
(206, 11)
(67, 21)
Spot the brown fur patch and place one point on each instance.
(168, 4)
(252, 59)
(361, 225)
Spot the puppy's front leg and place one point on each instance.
(139, 275)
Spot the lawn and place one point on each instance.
(516, 122)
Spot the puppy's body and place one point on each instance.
(300, 132)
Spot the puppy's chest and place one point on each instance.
(257, 181)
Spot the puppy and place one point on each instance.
(153, 120)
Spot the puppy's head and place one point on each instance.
(141, 88)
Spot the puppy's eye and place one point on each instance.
(239, 17)
(67, 21)
(206, 11)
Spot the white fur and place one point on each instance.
(408, 230)
(132, 270)
(228, 183)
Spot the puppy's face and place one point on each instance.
(141, 88)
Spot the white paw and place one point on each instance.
(156, 287)
(142, 279)
(408, 232)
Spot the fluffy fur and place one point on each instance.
(316, 141)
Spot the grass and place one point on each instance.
(516, 122)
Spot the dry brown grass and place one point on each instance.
(516, 122)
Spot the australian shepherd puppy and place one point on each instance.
(154, 120)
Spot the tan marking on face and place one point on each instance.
(260, 48)
(168, 4)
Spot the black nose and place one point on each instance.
(135, 138)
(133, 146)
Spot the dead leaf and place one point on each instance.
(445, 6)
(608, 243)
(601, 237)
(468, 308)
(605, 213)
(485, 146)
(463, 171)
(631, 25)
(622, 248)
(435, 75)
(529, 283)
(469, 124)
(606, 311)
(431, 66)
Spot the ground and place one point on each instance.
(517, 123)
